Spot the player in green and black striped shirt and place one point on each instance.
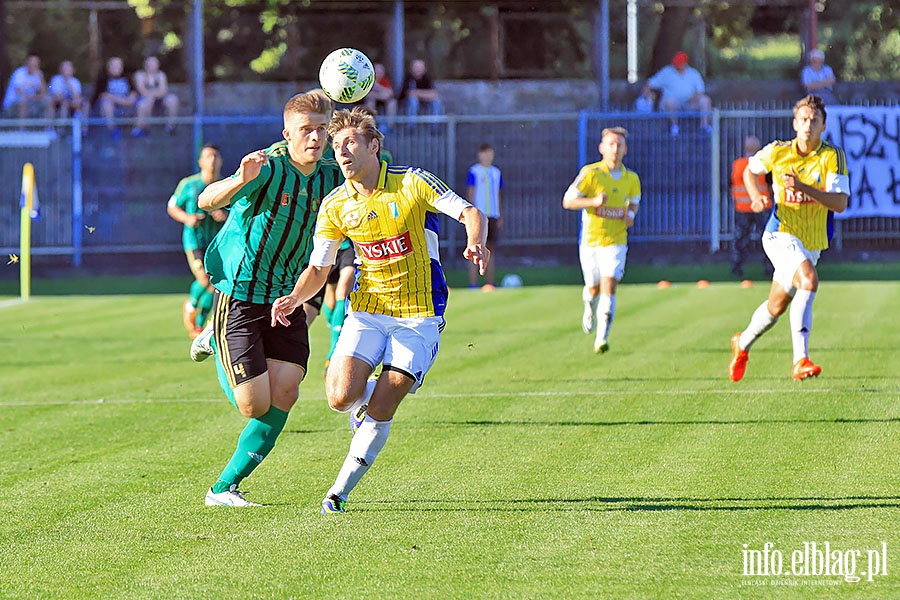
(261, 250)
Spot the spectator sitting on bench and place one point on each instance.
(152, 87)
(113, 94)
(26, 95)
(66, 96)
(418, 91)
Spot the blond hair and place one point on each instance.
(361, 118)
(312, 102)
(615, 131)
(813, 102)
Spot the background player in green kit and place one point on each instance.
(200, 228)
(263, 247)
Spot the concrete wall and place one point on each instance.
(530, 96)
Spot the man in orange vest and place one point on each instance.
(745, 220)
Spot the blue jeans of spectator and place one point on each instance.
(432, 107)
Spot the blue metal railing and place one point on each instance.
(105, 192)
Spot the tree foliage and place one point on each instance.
(864, 41)
(286, 39)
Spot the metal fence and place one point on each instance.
(103, 191)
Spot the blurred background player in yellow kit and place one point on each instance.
(397, 310)
(608, 194)
(200, 228)
(810, 184)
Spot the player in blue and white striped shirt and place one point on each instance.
(484, 183)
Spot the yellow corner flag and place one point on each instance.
(29, 210)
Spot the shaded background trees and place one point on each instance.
(285, 40)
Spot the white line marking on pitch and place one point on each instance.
(429, 396)
(11, 302)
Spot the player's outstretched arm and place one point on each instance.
(476, 237)
(309, 283)
(219, 194)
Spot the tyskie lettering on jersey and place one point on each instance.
(392, 247)
(795, 196)
(610, 212)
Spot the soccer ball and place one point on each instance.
(346, 75)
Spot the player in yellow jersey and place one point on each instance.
(396, 311)
(810, 184)
(608, 194)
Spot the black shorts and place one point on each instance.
(245, 338)
(345, 258)
(493, 235)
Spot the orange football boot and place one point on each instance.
(189, 315)
(738, 364)
(804, 369)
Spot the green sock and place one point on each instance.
(204, 307)
(220, 373)
(197, 290)
(326, 313)
(254, 444)
(335, 323)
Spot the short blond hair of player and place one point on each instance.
(809, 184)
(608, 195)
(389, 212)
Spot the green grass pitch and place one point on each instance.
(527, 467)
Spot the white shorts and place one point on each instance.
(406, 345)
(787, 253)
(602, 261)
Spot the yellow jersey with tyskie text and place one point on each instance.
(605, 225)
(825, 168)
(395, 232)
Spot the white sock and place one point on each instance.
(606, 309)
(367, 442)
(801, 322)
(364, 399)
(761, 321)
(590, 300)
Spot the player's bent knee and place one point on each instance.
(809, 282)
(339, 398)
(251, 405)
(285, 400)
(338, 403)
(252, 410)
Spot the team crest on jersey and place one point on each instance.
(285, 199)
(351, 219)
(393, 247)
(314, 204)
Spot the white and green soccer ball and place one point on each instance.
(346, 75)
